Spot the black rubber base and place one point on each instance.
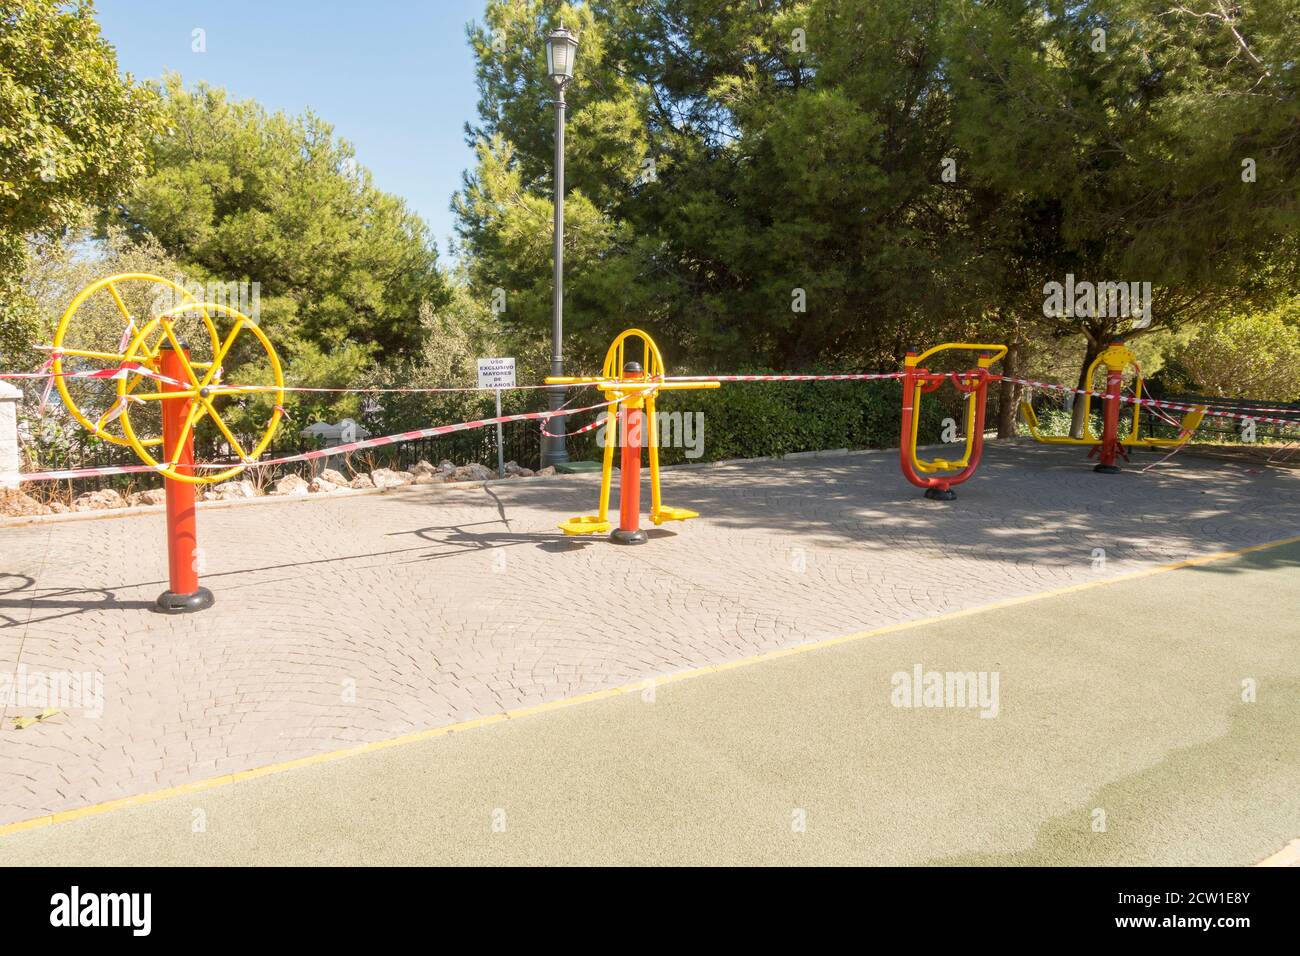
(1106, 469)
(940, 494)
(169, 602)
(619, 536)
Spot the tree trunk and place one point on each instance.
(1089, 356)
(1008, 392)
(794, 351)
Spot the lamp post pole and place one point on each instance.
(556, 453)
(561, 49)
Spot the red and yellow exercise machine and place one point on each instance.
(100, 330)
(631, 386)
(1115, 359)
(938, 475)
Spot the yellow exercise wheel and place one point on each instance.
(243, 356)
(93, 334)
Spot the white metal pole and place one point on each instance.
(501, 451)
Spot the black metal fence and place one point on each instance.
(1213, 428)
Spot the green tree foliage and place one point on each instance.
(1250, 355)
(57, 271)
(1125, 140)
(73, 136)
(723, 155)
(237, 194)
(456, 336)
(738, 194)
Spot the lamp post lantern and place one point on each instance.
(561, 50)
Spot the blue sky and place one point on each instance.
(395, 78)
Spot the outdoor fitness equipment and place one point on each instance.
(187, 392)
(1116, 358)
(973, 383)
(631, 386)
(93, 333)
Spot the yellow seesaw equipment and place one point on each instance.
(631, 386)
(1116, 359)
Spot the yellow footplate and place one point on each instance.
(672, 514)
(585, 524)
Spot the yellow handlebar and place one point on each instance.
(998, 350)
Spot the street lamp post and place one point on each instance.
(561, 48)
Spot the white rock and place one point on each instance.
(320, 486)
(291, 485)
(387, 478)
(150, 496)
(333, 477)
(100, 500)
(235, 490)
(361, 481)
(15, 503)
(547, 471)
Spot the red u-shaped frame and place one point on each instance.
(974, 383)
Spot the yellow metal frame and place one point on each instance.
(912, 362)
(629, 393)
(146, 355)
(1115, 357)
(203, 392)
(145, 350)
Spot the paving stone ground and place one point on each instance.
(353, 619)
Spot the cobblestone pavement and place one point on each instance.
(351, 619)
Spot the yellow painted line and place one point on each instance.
(1289, 855)
(197, 786)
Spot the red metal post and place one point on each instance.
(981, 404)
(1109, 448)
(184, 593)
(629, 481)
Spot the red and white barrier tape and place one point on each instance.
(1250, 408)
(1161, 461)
(376, 390)
(863, 377)
(584, 429)
(1290, 452)
(577, 431)
(1210, 409)
(125, 370)
(600, 419)
(673, 378)
(135, 368)
(310, 455)
(1155, 403)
